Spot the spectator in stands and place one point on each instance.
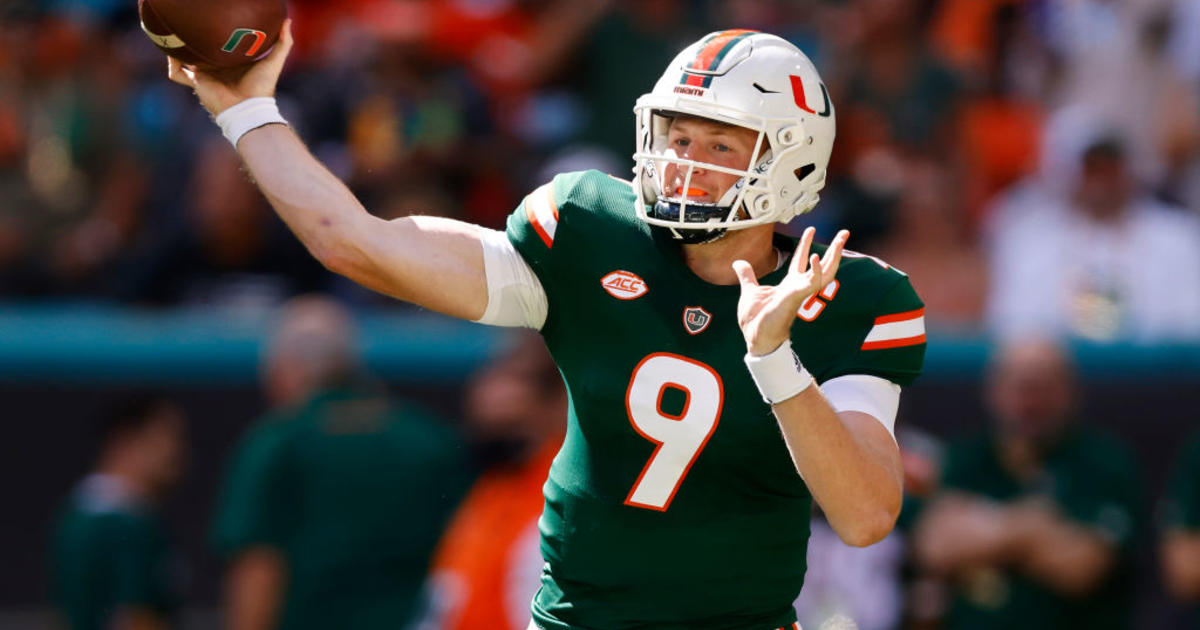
(897, 101)
(612, 65)
(73, 185)
(1034, 523)
(488, 564)
(229, 251)
(1098, 260)
(931, 241)
(335, 500)
(114, 567)
(1004, 67)
(1116, 57)
(1180, 548)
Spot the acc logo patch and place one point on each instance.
(624, 285)
(696, 319)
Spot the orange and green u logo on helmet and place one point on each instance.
(235, 40)
(713, 49)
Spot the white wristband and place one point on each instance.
(779, 374)
(248, 115)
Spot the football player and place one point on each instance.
(720, 376)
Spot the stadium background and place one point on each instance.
(133, 253)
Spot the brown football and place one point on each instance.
(213, 33)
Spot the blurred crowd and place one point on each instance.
(345, 506)
(1032, 164)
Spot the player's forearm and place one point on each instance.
(434, 262)
(853, 472)
(315, 204)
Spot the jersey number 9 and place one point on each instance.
(680, 437)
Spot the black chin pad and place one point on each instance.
(669, 211)
(689, 237)
(696, 213)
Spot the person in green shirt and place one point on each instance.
(114, 567)
(1034, 523)
(334, 501)
(1180, 547)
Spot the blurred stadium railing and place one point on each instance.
(103, 344)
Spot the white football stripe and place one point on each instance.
(166, 41)
(897, 330)
(539, 202)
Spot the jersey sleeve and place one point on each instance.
(891, 341)
(556, 227)
(533, 228)
(255, 505)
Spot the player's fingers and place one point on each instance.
(280, 52)
(833, 255)
(800, 288)
(745, 273)
(175, 72)
(814, 263)
(800, 259)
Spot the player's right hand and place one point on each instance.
(217, 95)
(765, 313)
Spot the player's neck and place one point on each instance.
(713, 262)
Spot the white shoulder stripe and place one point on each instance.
(901, 329)
(543, 213)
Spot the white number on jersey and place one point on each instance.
(680, 438)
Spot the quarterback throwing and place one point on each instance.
(721, 376)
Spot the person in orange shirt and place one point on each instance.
(488, 564)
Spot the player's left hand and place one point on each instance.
(766, 313)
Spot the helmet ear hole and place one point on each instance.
(804, 171)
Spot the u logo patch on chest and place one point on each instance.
(696, 319)
(624, 285)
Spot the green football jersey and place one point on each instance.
(112, 552)
(354, 490)
(1093, 480)
(674, 502)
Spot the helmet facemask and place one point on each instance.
(745, 79)
(668, 205)
(748, 202)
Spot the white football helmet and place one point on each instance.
(752, 80)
